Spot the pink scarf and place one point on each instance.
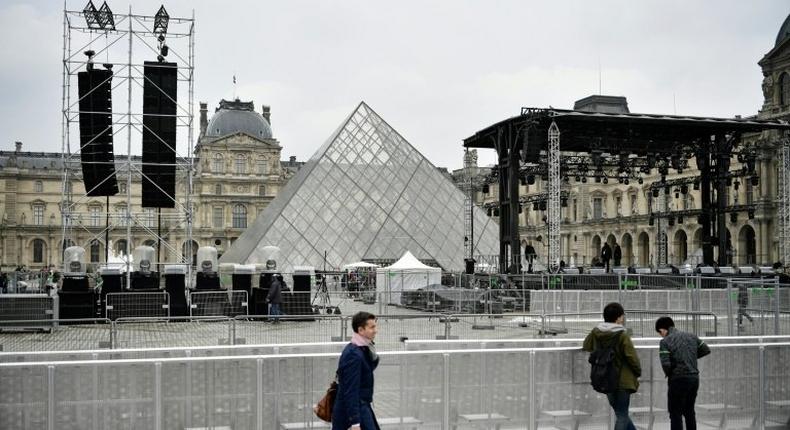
(359, 340)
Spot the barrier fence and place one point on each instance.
(743, 385)
(179, 332)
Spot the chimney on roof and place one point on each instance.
(292, 160)
(203, 118)
(18, 146)
(267, 113)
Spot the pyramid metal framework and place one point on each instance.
(365, 194)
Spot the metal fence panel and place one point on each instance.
(27, 307)
(743, 386)
(137, 305)
(218, 303)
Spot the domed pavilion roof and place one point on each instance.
(236, 116)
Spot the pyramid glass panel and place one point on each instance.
(365, 194)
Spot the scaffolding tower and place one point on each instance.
(121, 43)
(554, 207)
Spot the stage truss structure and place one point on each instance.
(122, 42)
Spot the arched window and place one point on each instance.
(239, 216)
(217, 165)
(241, 165)
(38, 251)
(784, 89)
(95, 250)
(39, 188)
(218, 189)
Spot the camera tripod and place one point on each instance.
(324, 299)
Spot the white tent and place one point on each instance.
(406, 274)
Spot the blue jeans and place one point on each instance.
(275, 311)
(620, 400)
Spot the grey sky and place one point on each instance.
(437, 71)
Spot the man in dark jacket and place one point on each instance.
(275, 298)
(679, 352)
(617, 254)
(530, 254)
(626, 361)
(352, 409)
(606, 255)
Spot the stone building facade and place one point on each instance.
(237, 173)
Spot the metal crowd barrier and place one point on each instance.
(180, 332)
(742, 386)
(137, 304)
(228, 303)
(29, 307)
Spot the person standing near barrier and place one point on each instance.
(617, 254)
(678, 352)
(611, 334)
(606, 255)
(275, 298)
(530, 254)
(743, 304)
(352, 409)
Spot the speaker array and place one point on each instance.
(96, 155)
(159, 134)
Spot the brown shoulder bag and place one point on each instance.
(323, 409)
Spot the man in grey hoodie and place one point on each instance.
(626, 361)
(679, 352)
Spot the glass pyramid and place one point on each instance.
(365, 194)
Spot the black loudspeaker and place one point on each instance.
(75, 283)
(207, 281)
(110, 284)
(159, 134)
(302, 284)
(531, 146)
(243, 282)
(77, 304)
(174, 285)
(469, 266)
(96, 153)
(145, 281)
(259, 305)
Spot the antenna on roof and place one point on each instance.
(599, 75)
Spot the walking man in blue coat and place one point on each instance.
(352, 410)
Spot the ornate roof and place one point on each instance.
(236, 116)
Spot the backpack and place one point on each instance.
(604, 375)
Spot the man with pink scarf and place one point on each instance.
(352, 409)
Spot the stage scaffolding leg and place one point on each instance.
(661, 230)
(554, 198)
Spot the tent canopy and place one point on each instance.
(409, 262)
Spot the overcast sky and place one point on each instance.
(437, 71)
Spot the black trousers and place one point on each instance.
(681, 396)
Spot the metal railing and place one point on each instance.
(742, 386)
(179, 332)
